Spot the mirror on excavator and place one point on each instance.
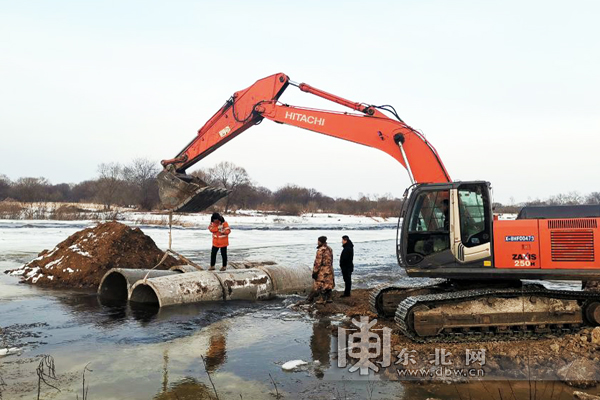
(180, 192)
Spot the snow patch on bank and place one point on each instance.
(77, 249)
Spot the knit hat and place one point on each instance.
(322, 239)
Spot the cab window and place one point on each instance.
(429, 225)
(473, 204)
(431, 212)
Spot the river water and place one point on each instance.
(140, 353)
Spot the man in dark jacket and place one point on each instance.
(347, 264)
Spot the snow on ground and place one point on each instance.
(78, 250)
(51, 265)
(190, 230)
(251, 217)
(8, 351)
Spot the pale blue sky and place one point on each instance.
(507, 91)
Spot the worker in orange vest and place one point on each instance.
(220, 232)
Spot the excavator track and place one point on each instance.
(384, 299)
(439, 314)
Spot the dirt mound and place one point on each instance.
(83, 258)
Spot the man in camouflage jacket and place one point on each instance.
(323, 272)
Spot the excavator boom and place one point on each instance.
(370, 127)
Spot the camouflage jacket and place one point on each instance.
(323, 267)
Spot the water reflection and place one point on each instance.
(320, 345)
(185, 389)
(217, 346)
(88, 308)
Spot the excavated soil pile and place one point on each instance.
(83, 258)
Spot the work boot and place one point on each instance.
(223, 268)
(212, 268)
(320, 296)
(327, 297)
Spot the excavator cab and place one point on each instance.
(445, 225)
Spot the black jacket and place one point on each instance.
(347, 257)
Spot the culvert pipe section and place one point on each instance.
(183, 268)
(246, 284)
(190, 287)
(117, 282)
(285, 280)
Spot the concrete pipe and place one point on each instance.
(201, 286)
(246, 284)
(248, 264)
(191, 287)
(286, 280)
(183, 268)
(117, 282)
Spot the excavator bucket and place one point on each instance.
(185, 193)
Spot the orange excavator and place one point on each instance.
(446, 231)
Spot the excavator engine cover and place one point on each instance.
(186, 193)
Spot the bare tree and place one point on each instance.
(140, 174)
(5, 184)
(84, 191)
(110, 182)
(566, 199)
(30, 189)
(229, 176)
(204, 175)
(593, 198)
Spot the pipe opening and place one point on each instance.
(144, 294)
(113, 287)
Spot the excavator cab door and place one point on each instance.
(471, 230)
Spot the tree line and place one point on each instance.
(561, 199)
(134, 185)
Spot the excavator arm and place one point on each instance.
(248, 107)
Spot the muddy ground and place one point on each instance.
(572, 358)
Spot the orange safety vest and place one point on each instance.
(220, 234)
